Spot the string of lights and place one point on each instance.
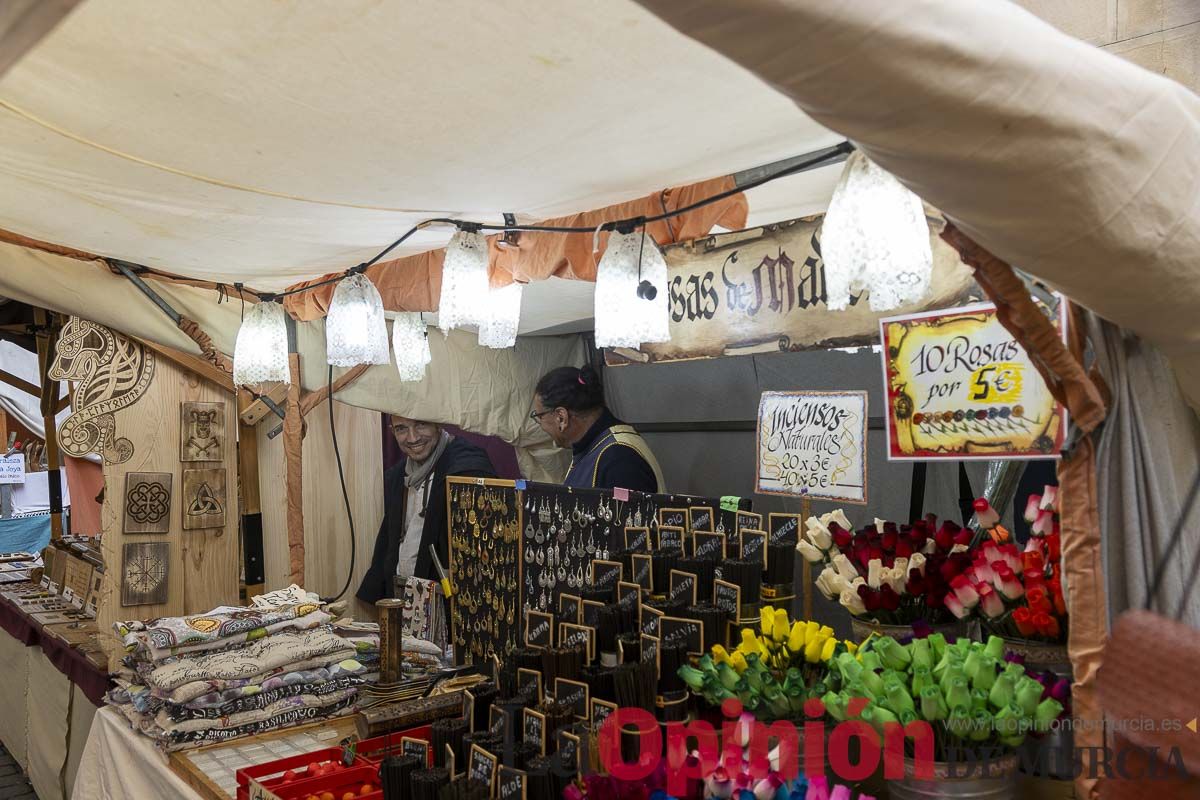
(874, 237)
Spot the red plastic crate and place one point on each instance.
(348, 780)
(270, 773)
(375, 750)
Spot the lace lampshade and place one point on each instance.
(498, 328)
(410, 345)
(623, 319)
(464, 281)
(355, 329)
(874, 237)
(260, 353)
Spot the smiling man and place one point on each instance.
(414, 505)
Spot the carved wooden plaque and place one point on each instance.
(144, 573)
(203, 499)
(110, 373)
(147, 502)
(202, 432)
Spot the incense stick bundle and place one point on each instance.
(426, 783)
(527, 658)
(673, 706)
(625, 556)
(485, 694)
(600, 682)
(448, 732)
(485, 739)
(667, 607)
(630, 647)
(464, 789)
(523, 753)
(395, 774)
(608, 625)
(703, 569)
(781, 564)
(562, 662)
(540, 783)
(714, 623)
(673, 657)
(558, 716)
(635, 685)
(746, 574)
(598, 594)
(662, 562)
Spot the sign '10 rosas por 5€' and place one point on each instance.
(959, 386)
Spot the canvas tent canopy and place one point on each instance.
(274, 142)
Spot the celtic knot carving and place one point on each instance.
(149, 502)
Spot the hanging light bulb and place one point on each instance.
(631, 297)
(498, 328)
(260, 352)
(464, 281)
(355, 329)
(874, 237)
(410, 343)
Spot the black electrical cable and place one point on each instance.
(623, 225)
(337, 454)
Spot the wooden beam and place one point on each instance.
(317, 396)
(47, 336)
(293, 453)
(62, 403)
(24, 23)
(19, 383)
(192, 363)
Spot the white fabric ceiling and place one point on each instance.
(270, 141)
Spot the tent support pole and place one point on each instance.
(47, 330)
(293, 454)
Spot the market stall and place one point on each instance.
(877, 527)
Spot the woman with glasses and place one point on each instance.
(414, 504)
(568, 404)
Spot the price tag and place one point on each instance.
(469, 709)
(747, 519)
(415, 747)
(578, 636)
(607, 574)
(683, 587)
(570, 608)
(670, 537)
(512, 784)
(534, 726)
(529, 683)
(676, 630)
(568, 750)
(700, 518)
(648, 621)
(784, 528)
(727, 597)
(591, 613)
(601, 710)
(482, 766)
(637, 539)
(573, 694)
(629, 595)
(754, 546)
(650, 653)
(708, 545)
(643, 571)
(539, 630)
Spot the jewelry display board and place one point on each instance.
(485, 567)
(516, 547)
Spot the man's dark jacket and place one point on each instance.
(459, 458)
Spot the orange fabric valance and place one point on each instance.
(414, 283)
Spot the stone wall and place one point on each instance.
(1161, 35)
